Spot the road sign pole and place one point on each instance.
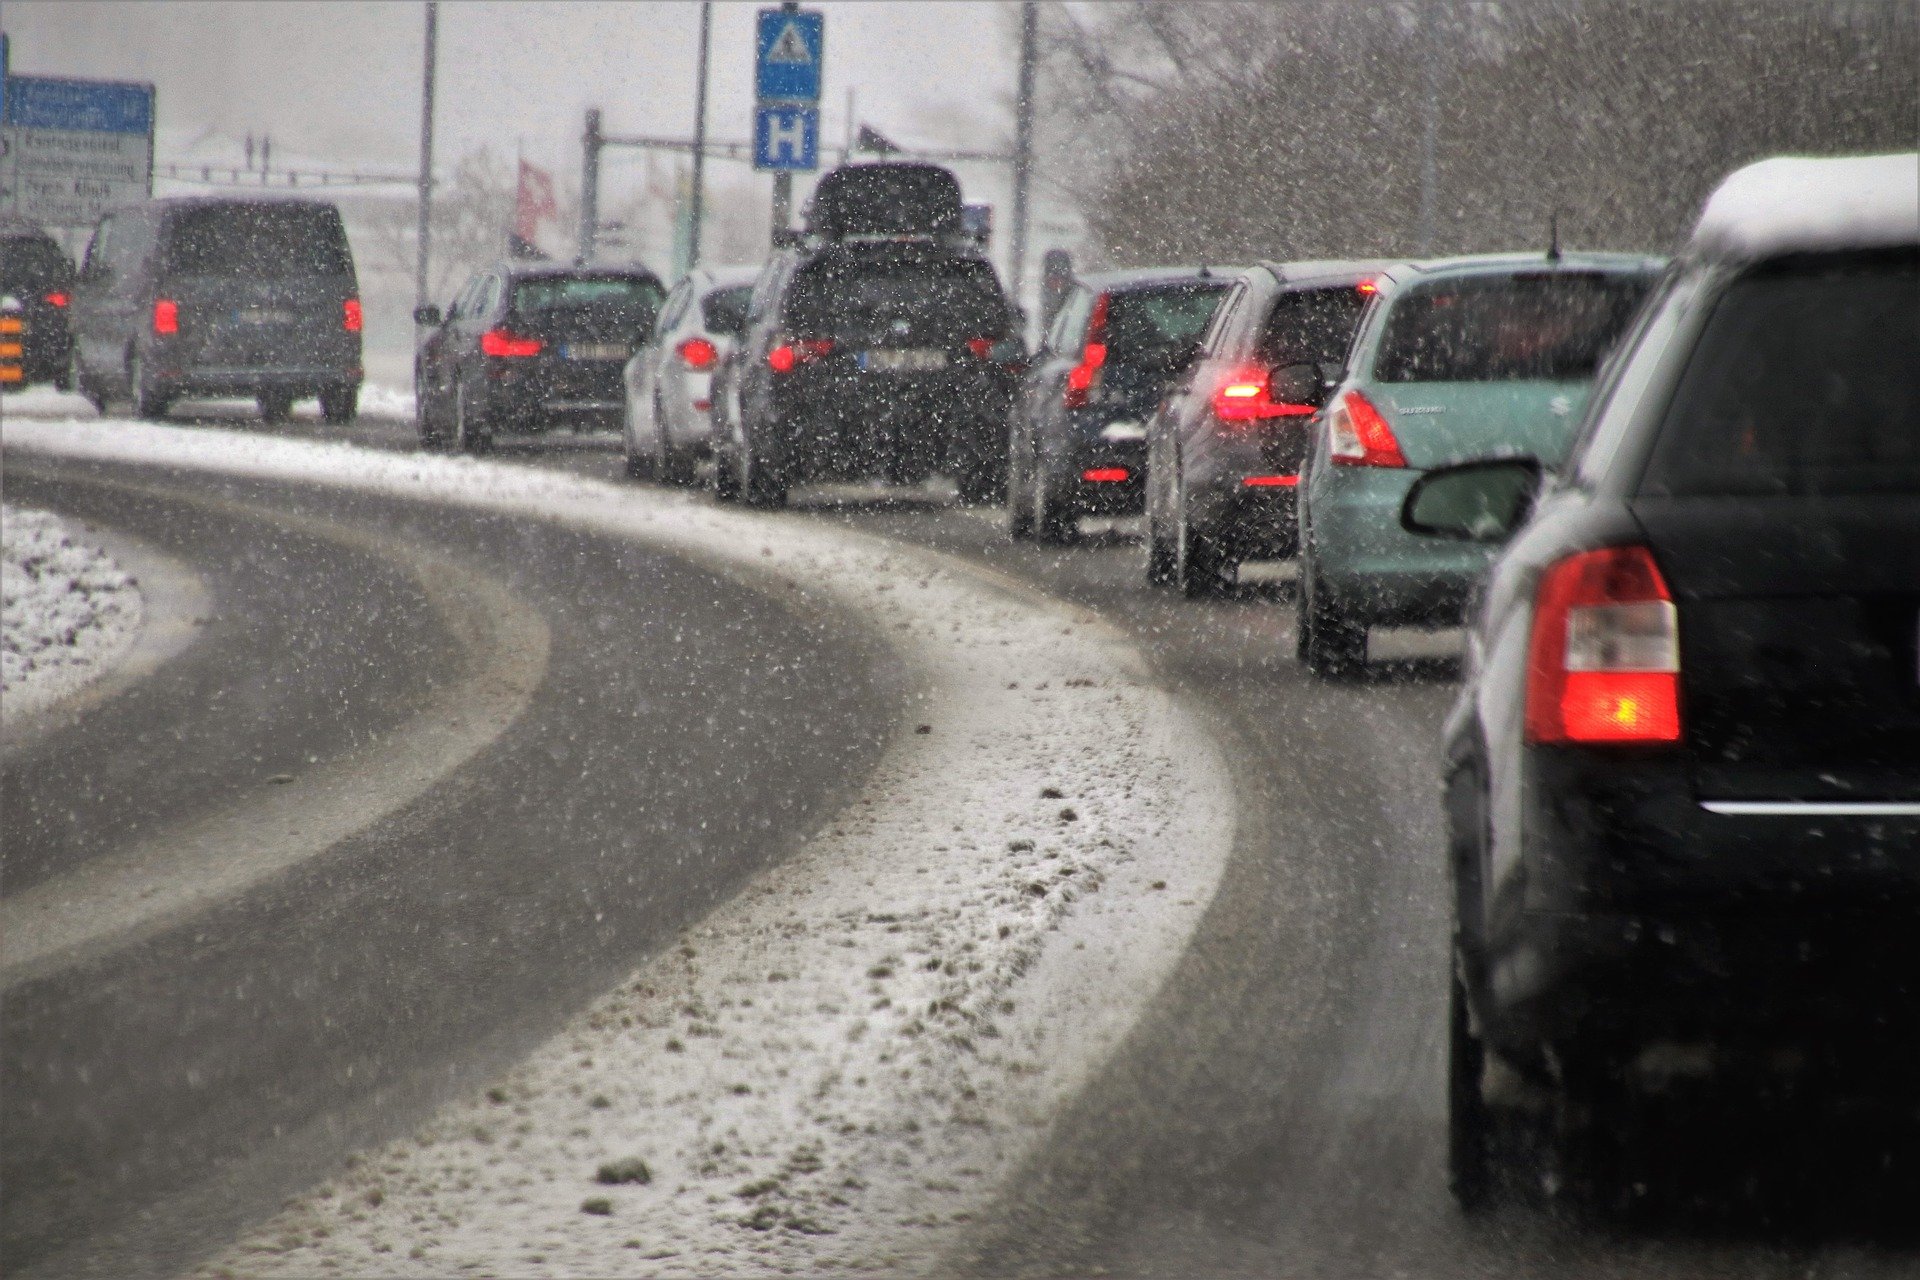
(700, 134)
(782, 199)
(589, 183)
(1023, 146)
(424, 226)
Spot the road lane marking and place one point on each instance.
(118, 899)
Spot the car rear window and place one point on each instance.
(1141, 322)
(1803, 382)
(1311, 326)
(257, 240)
(627, 294)
(946, 300)
(33, 262)
(1536, 326)
(725, 310)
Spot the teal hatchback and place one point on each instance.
(1456, 359)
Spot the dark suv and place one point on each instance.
(872, 351)
(1077, 438)
(36, 273)
(1226, 448)
(527, 346)
(1683, 776)
(217, 296)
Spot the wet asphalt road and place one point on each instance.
(1279, 1111)
(156, 1098)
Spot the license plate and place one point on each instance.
(597, 351)
(903, 360)
(263, 316)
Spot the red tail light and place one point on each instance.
(1085, 376)
(166, 317)
(784, 357)
(1603, 663)
(1367, 287)
(57, 299)
(982, 348)
(1105, 475)
(505, 342)
(1358, 435)
(1247, 396)
(350, 315)
(697, 353)
(1270, 482)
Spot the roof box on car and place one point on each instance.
(885, 201)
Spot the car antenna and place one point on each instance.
(1204, 273)
(1553, 236)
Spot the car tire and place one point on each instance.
(150, 404)
(469, 435)
(759, 486)
(1055, 522)
(87, 387)
(726, 476)
(1328, 642)
(424, 423)
(1469, 1120)
(275, 406)
(978, 482)
(670, 465)
(1199, 567)
(1019, 500)
(340, 405)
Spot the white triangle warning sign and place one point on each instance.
(790, 46)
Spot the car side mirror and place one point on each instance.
(1484, 501)
(428, 316)
(1297, 384)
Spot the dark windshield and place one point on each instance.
(1806, 380)
(725, 310)
(33, 262)
(627, 294)
(1539, 326)
(1311, 326)
(1142, 322)
(953, 300)
(259, 240)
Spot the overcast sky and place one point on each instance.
(342, 80)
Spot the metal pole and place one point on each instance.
(1023, 145)
(589, 183)
(700, 133)
(1429, 137)
(426, 155)
(782, 199)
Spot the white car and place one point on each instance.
(668, 421)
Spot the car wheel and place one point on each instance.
(149, 403)
(1019, 501)
(978, 482)
(759, 486)
(726, 476)
(340, 405)
(670, 466)
(77, 374)
(424, 423)
(275, 406)
(1054, 521)
(468, 434)
(1469, 1120)
(1326, 640)
(1199, 569)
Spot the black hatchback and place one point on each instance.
(37, 274)
(529, 346)
(1683, 777)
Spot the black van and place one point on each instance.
(879, 345)
(220, 296)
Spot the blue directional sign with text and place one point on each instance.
(787, 55)
(82, 106)
(786, 137)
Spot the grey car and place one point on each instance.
(668, 420)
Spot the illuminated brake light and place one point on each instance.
(57, 299)
(1358, 435)
(1247, 396)
(1367, 287)
(350, 317)
(697, 353)
(506, 343)
(1084, 378)
(784, 357)
(1603, 661)
(1105, 475)
(1270, 482)
(166, 317)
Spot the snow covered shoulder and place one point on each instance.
(68, 612)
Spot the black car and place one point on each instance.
(36, 273)
(220, 296)
(1226, 448)
(1683, 777)
(528, 346)
(878, 346)
(1077, 439)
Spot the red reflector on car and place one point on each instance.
(982, 348)
(166, 316)
(350, 315)
(784, 357)
(1270, 482)
(57, 299)
(701, 406)
(504, 342)
(1105, 475)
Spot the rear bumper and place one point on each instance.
(1105, 477)
(833, 425)
(307, 380)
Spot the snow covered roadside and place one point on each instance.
(68, 612)
(836, 1070)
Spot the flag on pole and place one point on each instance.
(534, 203)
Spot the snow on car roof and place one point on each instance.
(1796, 204)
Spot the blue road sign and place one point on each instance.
(787, 55)
(786, 137)
(79, 106)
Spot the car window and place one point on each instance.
(675, 307)
(101, 249)
(629, 295)
(1310, 326)
(958, 298)
(254, 240)
(33, 263)
(1219, 328)
(1143, 321)
(1070, 325)
(725, 310)
(1545, 325)
(1626, 379)
(1803, 382)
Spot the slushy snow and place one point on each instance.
(67, 611)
